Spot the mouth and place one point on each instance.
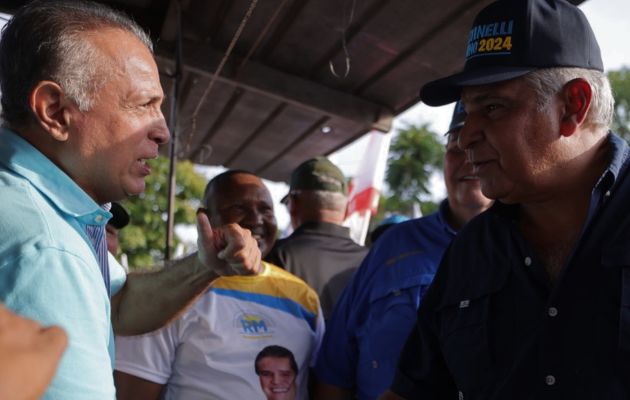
(145, 168)
(280, 390)
(469, 178)
(480, 166)
(259, 237)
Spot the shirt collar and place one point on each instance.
(23, 159)
(442, 217)
(619, 156)
(326, 228)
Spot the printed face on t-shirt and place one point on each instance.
(277, 378)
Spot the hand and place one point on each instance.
(228, 250)
(29, 355)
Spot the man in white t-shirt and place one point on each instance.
(210, 350)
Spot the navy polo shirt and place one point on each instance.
(492, 326)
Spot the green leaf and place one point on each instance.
(143, 240)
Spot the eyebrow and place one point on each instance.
(477, 98)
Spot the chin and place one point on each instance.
(135, 189)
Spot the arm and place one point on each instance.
(29, 355)
(129, 387)
(149, 300)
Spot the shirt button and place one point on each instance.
(98, 218)
(552, 311)
(528, 261)
(607, 194)
(374, 364)
(550, 380)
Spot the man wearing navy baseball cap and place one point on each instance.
(532, 299)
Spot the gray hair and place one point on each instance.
(547, 82)
(44, 41)
(325, 200)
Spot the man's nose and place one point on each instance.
(159, 133)
(253, 218)
(469, 134)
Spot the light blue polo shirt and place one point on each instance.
(48, 269)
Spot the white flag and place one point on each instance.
(366, 186)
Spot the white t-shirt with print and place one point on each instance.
(209, 352)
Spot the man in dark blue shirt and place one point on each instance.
(532, 299)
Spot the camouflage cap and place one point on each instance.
(317, 174)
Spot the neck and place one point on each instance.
(552, 224)
(330, 216)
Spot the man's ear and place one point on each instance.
(293, 206)
(577, 95)
(50, 108)
(293, 203)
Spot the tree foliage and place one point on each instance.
(143, 240)
(620, 82)
(414, 155)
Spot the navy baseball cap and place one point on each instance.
(511, 38)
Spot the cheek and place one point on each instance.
(271, 225)
(451, 167)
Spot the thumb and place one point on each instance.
(205, 235)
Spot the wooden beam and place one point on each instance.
(284, 87)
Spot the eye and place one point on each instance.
(149, 103)
(491, 107)
(237, 209)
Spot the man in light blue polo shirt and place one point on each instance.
(81, 101)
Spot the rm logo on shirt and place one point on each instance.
(254, 326)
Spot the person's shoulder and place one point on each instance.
(283, 276)
(488, 222)
(285, 244)
(481, 253)
(404, 234)
(28, 219)
(291, 286)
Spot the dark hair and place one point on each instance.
(276, 352)
(44, 41)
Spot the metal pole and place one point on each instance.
(172, 126)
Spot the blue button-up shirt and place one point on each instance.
(377, 310)
(492, 326)
(49, 269)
